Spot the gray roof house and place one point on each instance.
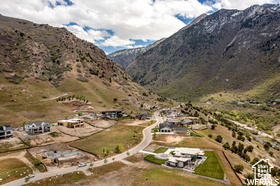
(6, 132)
(37, 127)
(170, 127)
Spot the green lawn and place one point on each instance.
(106, 141)
(211, 167)
(161, 150)
(151, 158)
(163, 176)
(12, 169)
(194, 134)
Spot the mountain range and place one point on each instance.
(229, 50)
(124, 57)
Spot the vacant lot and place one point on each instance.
(105, 142)
(69, 178)
(163, 176)
(12, 169)
(211, 167)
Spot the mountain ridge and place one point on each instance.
(219, 52)
(125, 56)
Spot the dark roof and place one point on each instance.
(166, 124)
(5, 127)
(37, 123)
(182, 129)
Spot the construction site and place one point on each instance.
(61, 155)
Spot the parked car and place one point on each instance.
(82, 165)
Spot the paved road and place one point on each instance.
(251, 128)
(147, 138)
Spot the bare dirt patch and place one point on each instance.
(137, 123)
(276, 129)
(45, 138)
(103, 123)
(81, 131)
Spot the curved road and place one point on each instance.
(147, 138)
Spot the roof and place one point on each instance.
(37, 123)
(190, 151)
(176, 160)
(174, 120)
(5, 127)
(181, 129)
(185, 121)
(166, 124)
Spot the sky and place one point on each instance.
(117, 24)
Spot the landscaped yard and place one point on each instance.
(12, 169)
(105, 142)
(194, 134)
(151, 158)
(211, 167)
(163, 176)
(161, 150)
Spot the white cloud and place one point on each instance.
(90, 35)
(115, 41)
(241, 4)
(128, 19)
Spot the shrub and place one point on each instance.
(210, 135)
(226, 146)
(219, 139)
(213, 127)
(233, 134)
(117, 149)
(266, 146)
(238, 168)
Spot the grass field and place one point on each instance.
(151, 158)
(132, 159)
(12, 169)
(211, 167)
(163, 176)
(69, 178)
(120, 134)
(161, 150)
(102, 170)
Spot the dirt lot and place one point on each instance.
(103, 123)
(83, 131)
(61, 147)
(137, 122)
(45, 138)
(11, 143)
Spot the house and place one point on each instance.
(170, 127)
(112, 114)
(175, 121)
(166, 127)
(72, 123)
(145, 116)
(183, 157)
(37, 127)
(178, 162)
(262, 168)
(6, 132)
